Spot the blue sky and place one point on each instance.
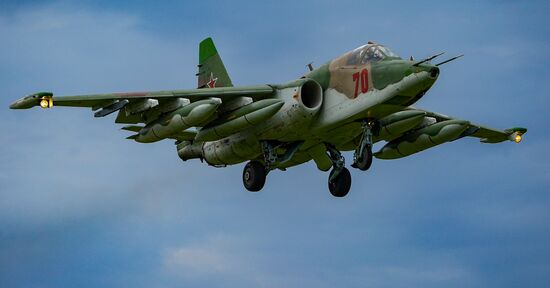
(80, 206)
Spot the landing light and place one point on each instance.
(44, 103)
(517, 139)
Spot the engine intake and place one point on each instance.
(311, 94)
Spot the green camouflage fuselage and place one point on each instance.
(328, 109)
(296, 121)
(349, 103)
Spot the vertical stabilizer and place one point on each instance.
(212, 72)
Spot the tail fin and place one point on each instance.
(212, 72)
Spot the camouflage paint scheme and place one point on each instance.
(327, 107)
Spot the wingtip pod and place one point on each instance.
(513, 134)
(516, 134)
(42, 99)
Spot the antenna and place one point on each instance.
(449, 60)
(427, 59)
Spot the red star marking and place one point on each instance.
(212, 82)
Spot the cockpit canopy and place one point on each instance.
(370, 53)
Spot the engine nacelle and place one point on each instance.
(303, 100)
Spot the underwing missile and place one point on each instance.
(396, 124)
(243, 118)
(422, 139)
(194, 114)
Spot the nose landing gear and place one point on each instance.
(362, 158)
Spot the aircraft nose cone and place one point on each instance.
(434, 72)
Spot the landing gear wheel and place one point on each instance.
(339, 187)
(254, 175)
(365, 160)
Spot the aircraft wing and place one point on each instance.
(430, 129)
(204, 106)
(97, 101)
(485, 134)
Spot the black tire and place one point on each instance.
(254, 175)
(341, 185)
(366, 160)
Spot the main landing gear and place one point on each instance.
(255, 172)
(254, 175)
(339, 180)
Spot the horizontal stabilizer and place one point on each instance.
(133, 137)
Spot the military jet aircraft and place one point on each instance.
(349, 103)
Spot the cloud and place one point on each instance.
(77, 48)
(414, 275)
(209, 258)
(221, 258)
(82, 206)
(64, 164)
(200, 261)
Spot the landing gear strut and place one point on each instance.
(362, 158)
(339, 180)
(270, 156)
